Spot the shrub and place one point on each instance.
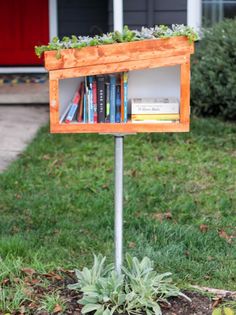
(137, 290)
(213, 80)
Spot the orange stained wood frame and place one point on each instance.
(117, 58)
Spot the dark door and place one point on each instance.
(88, 17)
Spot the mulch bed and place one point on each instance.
(58, 281)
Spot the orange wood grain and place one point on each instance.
(119, 52)
(185, 92)
(119, 128)
(118, 67)
(54, 101)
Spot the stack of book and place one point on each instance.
(154, 110)
(99, 99)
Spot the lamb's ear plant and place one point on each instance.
(126, 35)
(139, 289)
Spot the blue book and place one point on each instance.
(71, 112)
(112, 98)
(90, 100)
(125, 79)
(118, 103)
(85, 108)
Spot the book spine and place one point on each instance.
(95, 113)
(101, 98)
(155, 117)
(125, 79)
(155, 121)
(90, 100)
(155, 108)
(107, 119)
(122, 97)
(80, 111)
(118, 103)
(76, 97)
(63, 116)
(85, 100)
(71, 113)
(112, 98)
(74, 107)
(85, 118)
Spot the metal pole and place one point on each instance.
(119, 141)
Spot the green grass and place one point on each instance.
(51, 301)
(56, 201)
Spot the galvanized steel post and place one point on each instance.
(119, 141)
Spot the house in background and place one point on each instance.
(27, 23)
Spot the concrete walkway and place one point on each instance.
(18, 126)
(24, 93)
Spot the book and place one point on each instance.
(101, 98)
(90, 100)
(63, 116)
(81, 103)
(125, 79)
(112, 98)
(154, 106)
(118, 104)
(155, 121)
(73, 108)
(144, 117)
(107, 115)
(122, 97)
(85, 111)
(94, 92)
(71, 113)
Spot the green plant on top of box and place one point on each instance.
(161, 31)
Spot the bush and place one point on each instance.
(213, 80)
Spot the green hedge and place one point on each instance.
(213, 80)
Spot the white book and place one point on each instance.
(161, 105)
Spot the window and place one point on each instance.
(214, 11)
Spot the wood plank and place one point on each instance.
(119, 128)
(118, 67)
(120, 52)
(185, 92)
(54, 101)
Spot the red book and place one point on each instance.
(76, 97)
(95, 101)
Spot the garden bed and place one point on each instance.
(39, 286)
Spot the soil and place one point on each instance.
(57, 282)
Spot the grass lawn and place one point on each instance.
(56, 202)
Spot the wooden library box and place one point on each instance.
(73, 65)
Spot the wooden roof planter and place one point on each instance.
(119, 57)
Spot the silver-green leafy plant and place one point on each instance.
(161, 31)
(139, 289)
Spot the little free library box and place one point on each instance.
(87, 83)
